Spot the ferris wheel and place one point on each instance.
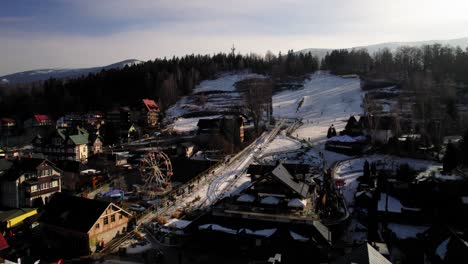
(156, 172)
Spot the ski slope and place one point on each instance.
(327, 99)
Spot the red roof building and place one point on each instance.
(151, 105)
(43, 120)
(150, 112)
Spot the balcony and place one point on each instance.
(41, 192)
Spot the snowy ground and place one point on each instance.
(224, 82)
(218, 95)
(351, 169)
(282, 143)
(327, 99)
(184, 125)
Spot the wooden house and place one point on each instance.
(150, 113)
(64, 144)
(29, 182)
(79, 226)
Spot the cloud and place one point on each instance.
(91, 33)
(14, 19)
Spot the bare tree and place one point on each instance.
(258, 100)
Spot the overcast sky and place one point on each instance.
(80, 33)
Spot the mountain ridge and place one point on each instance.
(61, 73)
(372, 48)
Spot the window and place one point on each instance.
(97, 225)
(120, 216)
(106, 220)
(33, 188)
(112, 218)
(54, 183)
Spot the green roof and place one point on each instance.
(80, 136)
(80, 139)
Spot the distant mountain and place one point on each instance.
(461, 42)
(44, 74)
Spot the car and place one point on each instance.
(136, 208)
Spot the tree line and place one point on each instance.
(162, 79)
(440, 61)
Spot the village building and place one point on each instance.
(79, 226)
(277, 208)
(64, 144)
(150, 113)
(95, 144)
(28, 182)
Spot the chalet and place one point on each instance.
(277, 210)
(42, 120)
(95, 144)
(64, 144)
(150, 113)
(28, 182)
(78, 226)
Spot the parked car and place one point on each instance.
(137, 208)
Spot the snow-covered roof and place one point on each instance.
(297, 203)
(441, 250)
(219, 228)
(284, 176)
(298, 237)
(261, 232)
(247, 198)
(178, 223)
(394, 204)
(406, 231)
(368, 194)
(435, 172)
(347, 139)
(270, 200)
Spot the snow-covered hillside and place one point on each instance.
(325, 100)
(44, 74)
(209, 99)
(224, 83)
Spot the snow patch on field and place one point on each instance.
(184, 125)
(224, 83)
(282, 143)
(328, 99)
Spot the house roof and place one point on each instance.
(20, 166)
(282, 174)
(151, 105)
(41, 118)
(78, 136)
(7, 120)
(72, 212)
(364, 254)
